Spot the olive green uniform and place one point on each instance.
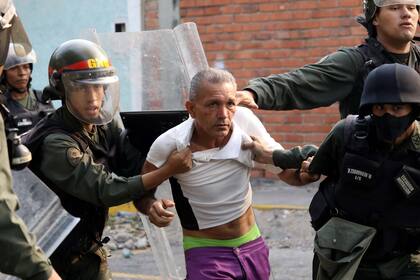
(87, 185)
(20, 256)
(328, 161)
(336, 77)
(76, 173)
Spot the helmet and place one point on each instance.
(370, 6)
(369, 9)
(390, 84)
(11, 28)
(13, 59)
(78, 67)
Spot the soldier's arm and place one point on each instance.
(75, 173)
(311, 86)
(20, 256)
(310, 161)
(155, 209)
(283, 158)
(327, 160)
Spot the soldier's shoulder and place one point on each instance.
(355, 52)
(59, 138)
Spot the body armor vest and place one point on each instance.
(24, 119)
(92, 217)
(375, 188)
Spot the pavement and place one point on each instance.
(268, 195)
(275, 194)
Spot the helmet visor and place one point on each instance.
(383, 3)
(92, 96)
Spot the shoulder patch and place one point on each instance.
(74, 156)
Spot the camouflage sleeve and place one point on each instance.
(74, 172)
(20, 256)
(314, 85)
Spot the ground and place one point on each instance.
(287, 232)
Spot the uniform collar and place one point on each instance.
(72, 122)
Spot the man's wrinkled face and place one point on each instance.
(213, 109)
(396, 23)
(86, 100)
(18, 76)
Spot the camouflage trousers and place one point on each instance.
(91, 266)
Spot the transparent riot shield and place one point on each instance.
(155, 69)
(41, 211)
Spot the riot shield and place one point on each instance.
(41, 211)
(155, 69)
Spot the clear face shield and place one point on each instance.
(92, 96)
(383, 3)
(11, 29)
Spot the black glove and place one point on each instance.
(293, 158)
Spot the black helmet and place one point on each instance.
(390, 84)
(12, 29)
(81, 64)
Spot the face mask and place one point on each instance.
(388, 127)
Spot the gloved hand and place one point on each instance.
(293, 157)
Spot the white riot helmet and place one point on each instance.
(370, 6)
(13, 59)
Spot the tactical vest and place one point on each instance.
(374, 55)
(374, 188)
(24, 119)
(92, 217)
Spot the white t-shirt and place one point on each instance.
(216, 190)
